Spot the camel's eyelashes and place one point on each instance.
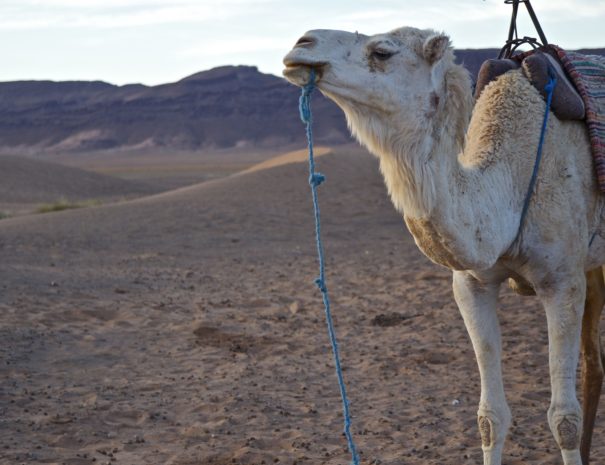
(382, 55)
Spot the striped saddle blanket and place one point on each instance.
(587, 72)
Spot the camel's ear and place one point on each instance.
(434, 48)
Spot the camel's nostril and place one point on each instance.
(305, 41)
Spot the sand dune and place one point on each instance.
(296, 156)
(184, 328)
(27, 182)
(34, 180)
(167, 168)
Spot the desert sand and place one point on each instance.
(185, 328)
(168, 168)
(29, 183)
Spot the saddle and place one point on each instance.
(578, 95)
(567, 103)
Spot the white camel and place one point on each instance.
(461, 181)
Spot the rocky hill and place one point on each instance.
(230, 106)
(223, 107)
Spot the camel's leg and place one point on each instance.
(592, 365)
(477, 303)
(564, 304)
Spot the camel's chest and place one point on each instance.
(433, 244)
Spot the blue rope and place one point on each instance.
(315, 179)
(549, 88)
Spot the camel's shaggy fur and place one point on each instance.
(461, 187)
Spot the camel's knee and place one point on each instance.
(566, 426)
(493, 426)
(568, 433)
(487, 430)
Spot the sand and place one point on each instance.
(184, 328)
(296, 156)
(168, 168)
(29, 183)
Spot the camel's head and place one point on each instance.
(393, 79)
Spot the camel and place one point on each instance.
(458, 171)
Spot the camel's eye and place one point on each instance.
(381, 54)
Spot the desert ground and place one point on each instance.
(183, 327)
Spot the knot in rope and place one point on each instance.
(321, 285)
(316, 179)
(304, 102)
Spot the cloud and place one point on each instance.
(158, 40)
(109, 4)
(103, 14)
(226, 47)
(380, 16)
(563, 8)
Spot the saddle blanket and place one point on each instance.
(587, 72)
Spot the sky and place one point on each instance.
(159, 41)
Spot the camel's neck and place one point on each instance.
(421, 176)
(459, 202)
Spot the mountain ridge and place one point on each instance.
(219, 108)
(224, 107)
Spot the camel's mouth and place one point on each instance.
(299, 72)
